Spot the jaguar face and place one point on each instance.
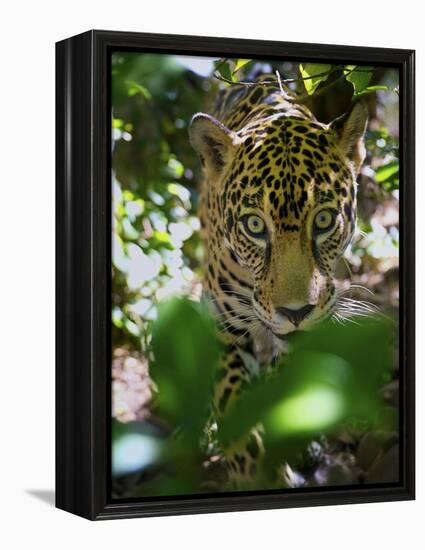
(285, 195)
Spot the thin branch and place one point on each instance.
(218, 76)
(280, 82)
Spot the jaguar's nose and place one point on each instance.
(295, 314)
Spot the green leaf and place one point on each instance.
(117, 123)
(314, 74)
(186, 353)
(326, 371)
(131, 327)
(222, 67)
(130, 233)
(117, 317)
(385, 172)
(270, 401)
(315, 408)
(135, 88)
(175, 168)
(374, 89)
(358, 76)
(240, 63)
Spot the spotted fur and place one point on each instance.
(272, 177)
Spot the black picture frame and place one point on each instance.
(83, 213)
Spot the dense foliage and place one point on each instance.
(157, 254)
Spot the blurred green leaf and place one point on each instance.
(316, 400)
(385, 172)
(136, 88)
(341, 362)
(176, 168)
(186, 352)
(129, 231)
(117, 123)
(117, 317)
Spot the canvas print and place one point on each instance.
(255, 287)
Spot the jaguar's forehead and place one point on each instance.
(289, 165)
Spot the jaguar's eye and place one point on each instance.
(254, 225)
(323, 220)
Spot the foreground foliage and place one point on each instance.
(329, 383)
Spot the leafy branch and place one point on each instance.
(312, 75)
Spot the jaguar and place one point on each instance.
(277, 211)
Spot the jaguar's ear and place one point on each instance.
(214, 142)
(350, 129)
